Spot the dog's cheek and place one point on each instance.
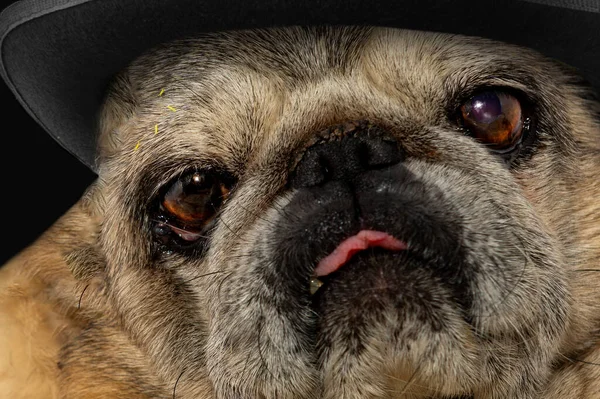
(152, 303)
(521, 295)
(257, 344)
(86, 262)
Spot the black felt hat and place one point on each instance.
(57, 56)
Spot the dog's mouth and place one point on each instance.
(363, 240)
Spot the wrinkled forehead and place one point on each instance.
(291, 59)
(224, 95)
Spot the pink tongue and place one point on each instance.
(363, 240)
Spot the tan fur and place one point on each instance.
(82, 315)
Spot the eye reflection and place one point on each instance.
(189, 206)
(495, 119)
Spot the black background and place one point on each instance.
(39, 179)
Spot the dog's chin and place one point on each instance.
(391, 309)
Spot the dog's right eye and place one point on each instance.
(187, 207)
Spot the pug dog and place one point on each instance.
(323, 212)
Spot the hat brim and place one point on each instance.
(57, 56)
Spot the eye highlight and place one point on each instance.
(495, 119)
(187, 207)
(194, 199)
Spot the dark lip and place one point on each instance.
(415, 249)
(340, 274)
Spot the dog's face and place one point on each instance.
(350, 213)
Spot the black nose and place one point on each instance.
(344, 151)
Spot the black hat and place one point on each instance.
(57, 56)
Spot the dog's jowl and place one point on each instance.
(332, 213)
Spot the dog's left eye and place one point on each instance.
(188, 206)
(495, 119)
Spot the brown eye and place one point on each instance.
(189, 204)
(494, 119)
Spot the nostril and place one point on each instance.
(311, 171)
(382, 153)
(362, 154)
(326, 170)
